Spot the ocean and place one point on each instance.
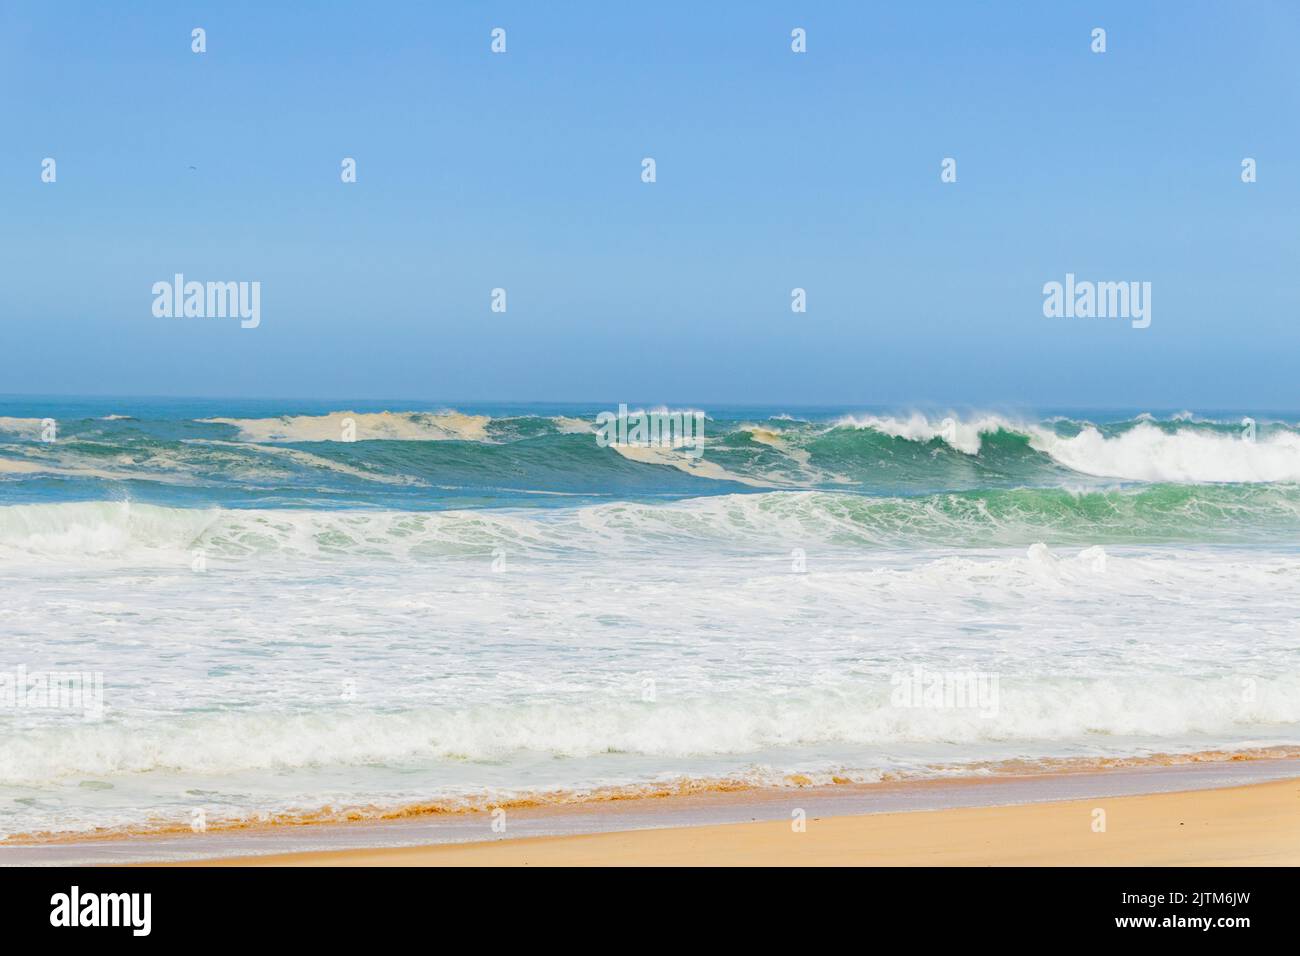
(278, 611)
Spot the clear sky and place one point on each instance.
(774, 170)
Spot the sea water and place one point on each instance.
(322, 610)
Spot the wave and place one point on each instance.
(309, 460)
(1181, 450)
(436, 459)
(356, 426)
(694, 465)
(24, 427)
(965, 436)
(860, 712)
(100, 528)
(1015, 517)
(1148, 453)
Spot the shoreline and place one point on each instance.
(693, 811)
(1253, 825)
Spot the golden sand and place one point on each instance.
(1251, 825)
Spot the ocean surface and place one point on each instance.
(479, 605)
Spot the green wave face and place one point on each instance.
(1022, 516)
(885, 462)
(977, 480)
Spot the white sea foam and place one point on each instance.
(1143, 452)
(390, 426)
(774, 439)
(24, 427)
(314, 461)
(73, 531)
(858, 713)
(52, 460)
(272, 684)
(87, 529)
(13, 467)
(1147, 453)
(965, 436)
(573, 426)
(690, 464)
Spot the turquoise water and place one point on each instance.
(1188, 475)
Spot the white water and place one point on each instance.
(1141, 453)
(1145, 453)
(268, 684)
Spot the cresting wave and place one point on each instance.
(1012, 517)
(1180, 450)
(456, 454)
(1142, 449)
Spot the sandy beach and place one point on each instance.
(1249, 825)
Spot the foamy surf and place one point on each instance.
(1148, 453)
(353, 426)
(752, 781)
(770, 523)
(1183, 451)
(293, 623)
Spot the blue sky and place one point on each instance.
(775, 170)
